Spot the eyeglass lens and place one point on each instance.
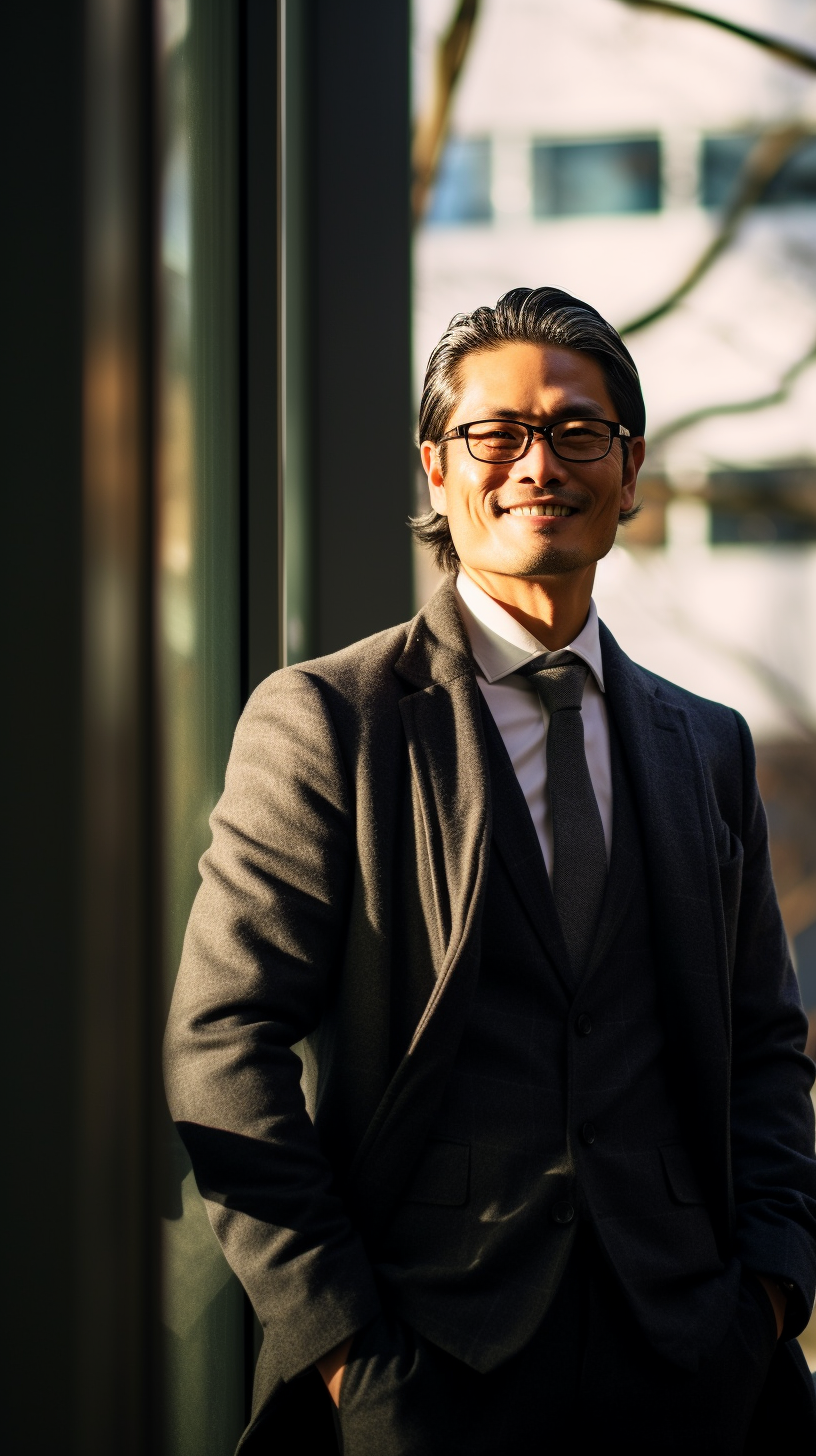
(503, 440)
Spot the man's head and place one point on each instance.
(540, 358)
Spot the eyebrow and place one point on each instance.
(582, 409)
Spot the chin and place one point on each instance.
(553, 561)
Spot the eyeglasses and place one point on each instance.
(501, 441)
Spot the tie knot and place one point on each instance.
(558, 678)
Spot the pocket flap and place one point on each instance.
(681, 1178)
(442, 1176)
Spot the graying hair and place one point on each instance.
(528, 316)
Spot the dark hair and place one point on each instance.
(528, 316)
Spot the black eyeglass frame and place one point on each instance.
(617, 431)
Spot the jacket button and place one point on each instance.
(562, 1212)
(583, 1025)
(588, 1133)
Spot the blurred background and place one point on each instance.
(233, 226)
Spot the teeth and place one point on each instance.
(539, 511)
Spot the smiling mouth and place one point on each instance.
(540, 510)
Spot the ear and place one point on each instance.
(634, 459)
(432, 465)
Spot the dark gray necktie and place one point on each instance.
(579, 850)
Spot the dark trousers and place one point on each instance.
(588, 1375)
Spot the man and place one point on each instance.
(509, 896)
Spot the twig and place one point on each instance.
(735, 407)
(763, 164)
(432, 126)
(785, 50)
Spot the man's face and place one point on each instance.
(488, 505)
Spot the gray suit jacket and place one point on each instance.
(339, 914)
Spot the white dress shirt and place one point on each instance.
(500, 646)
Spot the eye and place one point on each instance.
(495, 431)
(581, 430)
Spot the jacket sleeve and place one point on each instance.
(772, 1123)
(262, 952)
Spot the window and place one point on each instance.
(581, 178)
(462, 189)
(762, 507)
(203, 1306)
(796, 182)
(724, 158)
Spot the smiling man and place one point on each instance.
(542, 1169)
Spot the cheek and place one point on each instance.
(468, 500)
(607, 493)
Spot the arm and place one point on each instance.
(262, 954)
(772, 1129)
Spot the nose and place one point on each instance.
(539, 464)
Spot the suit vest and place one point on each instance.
(559, 1110)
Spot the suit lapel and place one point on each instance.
(669, 789)
(443, 730)
(623, 865)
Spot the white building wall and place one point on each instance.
(737, 624)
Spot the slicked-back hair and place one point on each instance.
(522, 316)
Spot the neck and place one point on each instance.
(553, 608)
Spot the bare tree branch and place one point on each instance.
(735, 407)
(764, 163)
(432, 126)
(785, 50)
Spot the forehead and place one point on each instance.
(529, 379)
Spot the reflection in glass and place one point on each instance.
(203, 1305)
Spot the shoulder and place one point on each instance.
(338, 692)
(360, 670)
(616, 661)
(717, 727)
(702, 711)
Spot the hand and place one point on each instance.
(332, 1368)
(778, 1300)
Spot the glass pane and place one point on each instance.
(796, 182)
(596, 177)
(203, 1305)
(462, 190)
(723, 160)
(297, 331)
(756, 507)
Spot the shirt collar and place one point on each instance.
(500, 645)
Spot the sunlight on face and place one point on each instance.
(488, 505)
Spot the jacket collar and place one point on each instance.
(501, 645)
(437, 649)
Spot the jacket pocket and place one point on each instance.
(680, 1176)
(442, 1175)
